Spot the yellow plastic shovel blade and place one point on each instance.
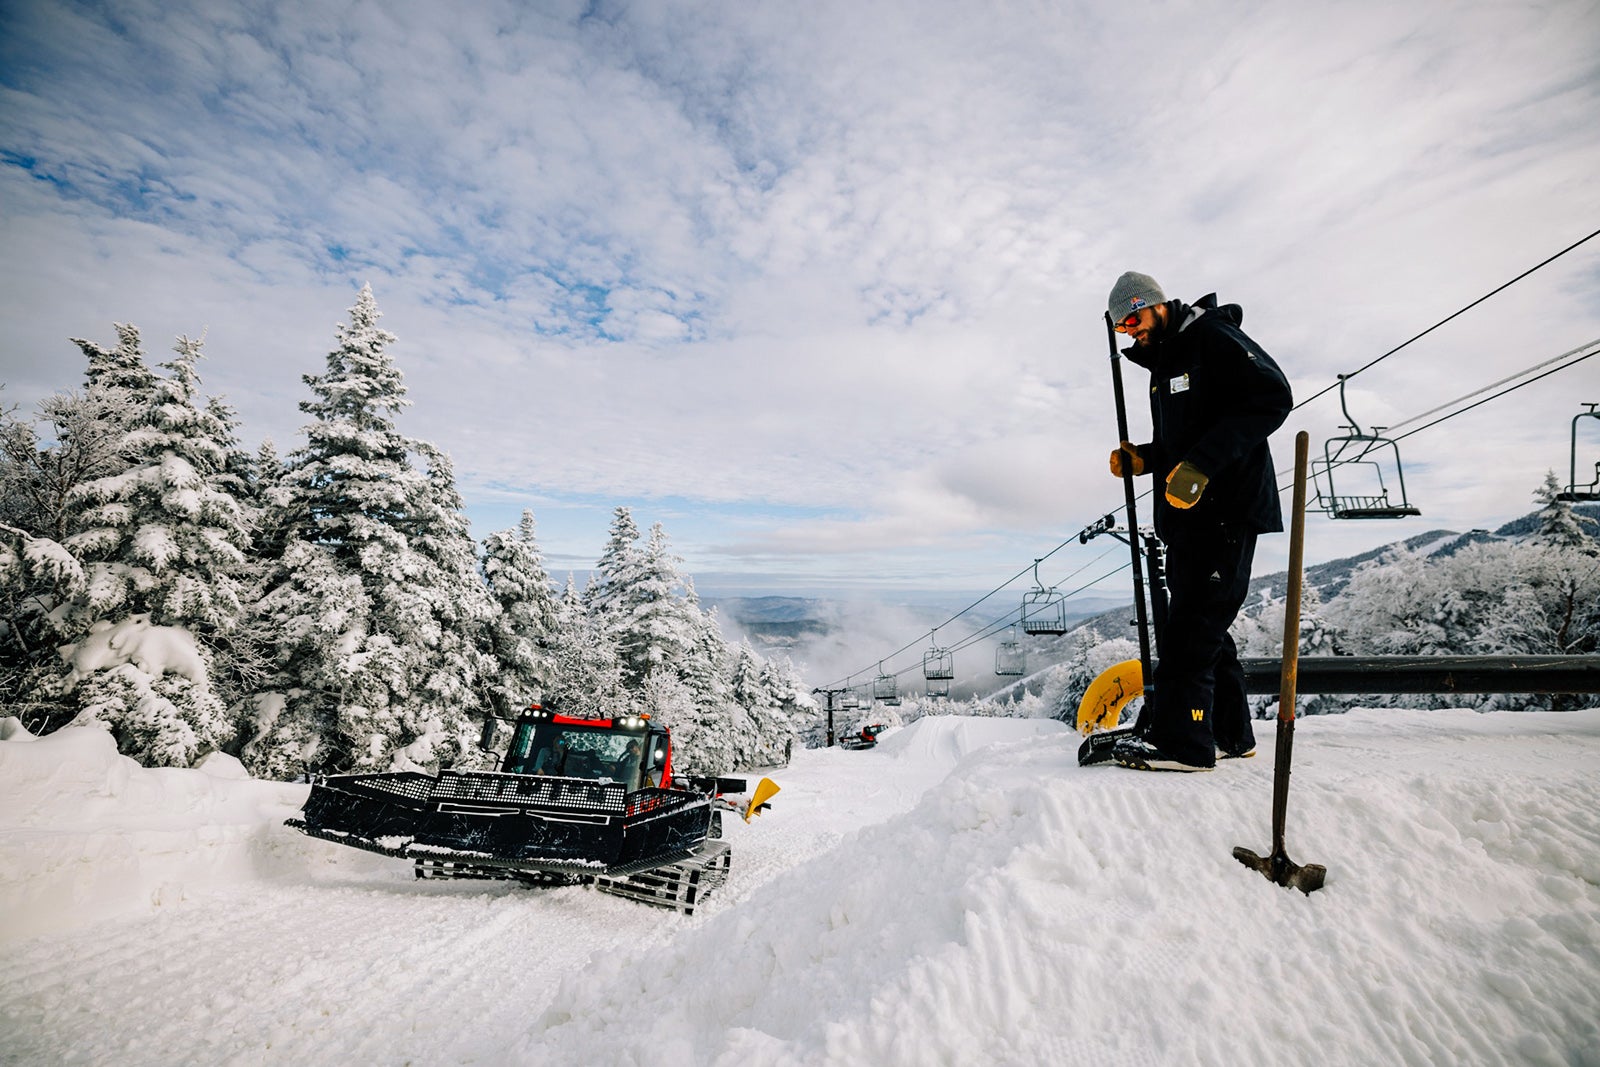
(1108, 694)
(765, 789)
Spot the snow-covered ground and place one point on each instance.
(962, 894)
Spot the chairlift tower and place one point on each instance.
(830, 694)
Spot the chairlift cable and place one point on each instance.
(970, 639)
(929, 634)
(1588, 350)
(1456, 314)
(973, 638)
(1495, 385)
(996, 627)
(1501, 393)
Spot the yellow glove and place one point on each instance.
(1185, 484)
(1116, 460)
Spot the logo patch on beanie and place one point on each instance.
(1138, 303)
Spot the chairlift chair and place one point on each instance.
(939, 687)
(1044, 611)
(938, 664)
(1353, 450)
(1010, 659)
(1575, 493)
(886, 688)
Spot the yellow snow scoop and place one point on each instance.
(1108, 694)
(765, 790)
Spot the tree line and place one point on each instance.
(327, 610)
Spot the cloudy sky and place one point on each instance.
(817, 286)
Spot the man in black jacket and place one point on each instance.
(1215, 397)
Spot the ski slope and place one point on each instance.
(963, 893)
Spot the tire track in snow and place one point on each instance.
(264, 972)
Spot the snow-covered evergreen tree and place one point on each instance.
(84, 440)
(455, 682)
(586, 677)
(347, 487)
(163, 542)
(617, 569)
(1558, 523)
(756, 705)
(317, 614)
(167, 536)
(655, 619)
(704, 666)
(394, 683)
(523, 632)
(123, 367)
(703, 736)
(643, 605)
(37, 575)
(774, 717)
(745, 680)
(794, 698)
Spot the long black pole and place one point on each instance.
(1140, 617)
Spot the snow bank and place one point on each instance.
(1032, 911)
(86, 833)
(962, 893)
(943, 741)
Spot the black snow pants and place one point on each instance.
(1200, 703)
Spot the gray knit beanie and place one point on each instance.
(1132, 292)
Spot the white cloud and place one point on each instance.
(827, 277)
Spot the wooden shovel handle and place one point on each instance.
(1291, 648)
(1291, 610)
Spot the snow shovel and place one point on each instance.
(1278, 867)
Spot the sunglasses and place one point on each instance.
(1128, 323)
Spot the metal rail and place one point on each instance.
(1429, 674)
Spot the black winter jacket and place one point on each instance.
(1215, 398)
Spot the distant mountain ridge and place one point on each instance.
(1331, 578)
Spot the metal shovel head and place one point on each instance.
(1282, 870)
